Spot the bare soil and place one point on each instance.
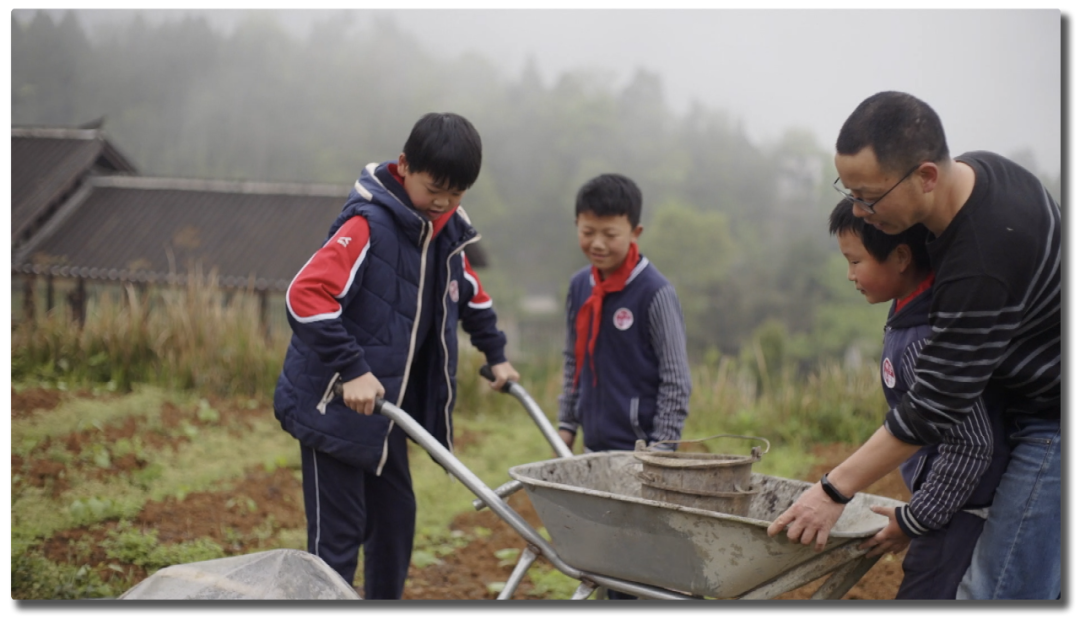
(246, 515)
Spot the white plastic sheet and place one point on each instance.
(283, 574)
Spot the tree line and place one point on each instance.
(739, 227)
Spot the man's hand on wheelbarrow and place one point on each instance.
(503, 372)
(811, 518)
(890, 539)
(359, 393)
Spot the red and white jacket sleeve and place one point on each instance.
(323, 286)
(479, 320)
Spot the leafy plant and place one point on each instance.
(507, 556)
(92, 509)
(142, 548)
(550, 582)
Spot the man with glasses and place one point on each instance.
(995, 245)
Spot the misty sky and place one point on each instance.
(994, 76)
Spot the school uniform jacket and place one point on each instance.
(356, 306)
(962, 471)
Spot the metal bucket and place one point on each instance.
(736, 503)
(716, 482)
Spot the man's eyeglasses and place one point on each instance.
(863, 204)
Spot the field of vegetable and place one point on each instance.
(108, 488)
(147, 439)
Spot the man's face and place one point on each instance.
(899, 208)
(430, 198)
(605, 241)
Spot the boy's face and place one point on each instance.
(605, 241)
(877, 281)
(430, 198)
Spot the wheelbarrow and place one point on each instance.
(604, 533)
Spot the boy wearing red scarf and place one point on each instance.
(626, 375)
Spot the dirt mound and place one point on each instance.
(28, 401)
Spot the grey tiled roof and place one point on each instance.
(152, 229)
(158, 230)
(47, 165)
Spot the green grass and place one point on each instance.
(199, 343)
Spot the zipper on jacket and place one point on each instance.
(442, 337)
(634, 423)
(327, 395)
(428, 229)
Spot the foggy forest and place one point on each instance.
(739, 227)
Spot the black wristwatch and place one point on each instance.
(833, 493)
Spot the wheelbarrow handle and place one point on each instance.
(541, 421)
(531, 407)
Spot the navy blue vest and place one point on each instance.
(379, 311)
(619, 408)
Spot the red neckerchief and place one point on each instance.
(588, 318)
(438, 223)
(926, 283)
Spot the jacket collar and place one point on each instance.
(915, 312)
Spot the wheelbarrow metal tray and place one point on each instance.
(592, 508)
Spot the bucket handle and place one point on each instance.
(756, 451)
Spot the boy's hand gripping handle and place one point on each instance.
(339, 390)
(486, 372)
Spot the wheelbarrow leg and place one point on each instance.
(527, 557)
(584, 590)
(843, 579)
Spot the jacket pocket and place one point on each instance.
(328, 394)
(635, 421)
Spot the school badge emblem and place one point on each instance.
(887, 373)
(623, 319)
(453, 290)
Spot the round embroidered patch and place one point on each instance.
(887, 373)
(623, 319)
(453, 290)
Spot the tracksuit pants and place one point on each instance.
(347, 507)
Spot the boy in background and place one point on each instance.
(377, 309)
(625, 376)
(953, 483)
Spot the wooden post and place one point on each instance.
(144, 299)
(48, 292)
(264, 306)
(29, 310)
(77, 301)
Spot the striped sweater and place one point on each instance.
(996, 311)
(963, 471)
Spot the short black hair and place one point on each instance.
(902, 130)
(446, 146)
(878, 243)
(610, 194)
